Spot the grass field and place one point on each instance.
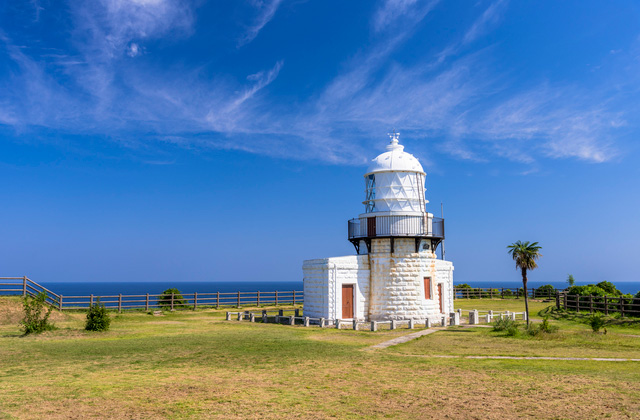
(196, 365)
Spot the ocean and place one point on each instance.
(136, 288)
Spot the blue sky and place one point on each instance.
(173, 140)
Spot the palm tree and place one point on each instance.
(525, 255)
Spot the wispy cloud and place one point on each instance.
(490, 17)
(462, 100)
(266, 10)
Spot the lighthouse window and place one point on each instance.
(370, 193)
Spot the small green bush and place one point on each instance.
(513, 330)
(97, 318)
(542, 328)
(596, 321)
(36, 315)
(546, 327)
(164, 301)
(507, 292)
(504, 324)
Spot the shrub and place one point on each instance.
(513, 330)
(164, 301)
(507, 292)
(36, 315)
(609, 288)
(596, 321)
(545, 291)
(97, 318)
(504, 324)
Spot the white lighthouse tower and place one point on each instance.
(396, 273)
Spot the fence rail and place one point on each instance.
(502, 293)
(27, 287)
(605, 304)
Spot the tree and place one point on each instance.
(570, 280)
(525, 255)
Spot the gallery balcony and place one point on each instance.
(390, 226)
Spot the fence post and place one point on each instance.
(621, 307)
(518, 293)
(120, 302)
(606, 306)
(258, 299)
(91, 300)
(146, 303)
(24, 286)
(195, 301)
(217, 300)
(578, 304)
(60, 303)
(172, 301)
(557, 300)
(297, 312)
(491, 293)
(294, 297)
(238, 299)
(502, 293)
(590, 304)
(276, 298)
(565, 301)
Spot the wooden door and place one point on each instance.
(441, 298)
(371, 227)
(347, 301)
(427, 288)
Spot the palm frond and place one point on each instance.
(525, 254)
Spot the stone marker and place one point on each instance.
(411, 324)
(306, 321)
(374, 326)
(322, 322)
(252, 318)
(427, 323)
(239, 316)
(355, 325)
(393, 324)
(228, 316)
(473, 317)
(337, 324)
(292, 320)
(454, 318)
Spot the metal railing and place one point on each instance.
(392, 225)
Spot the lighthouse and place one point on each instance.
(395, 274)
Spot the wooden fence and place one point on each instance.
(27, 287)
(604, 304)
(502, 293)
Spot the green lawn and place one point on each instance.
(196, 365)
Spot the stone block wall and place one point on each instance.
(387, 285)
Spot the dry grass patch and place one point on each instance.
(197, 366)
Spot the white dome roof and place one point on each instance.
(395, 159)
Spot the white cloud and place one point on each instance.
(133, 50)
(266, 10)
(490, 17)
